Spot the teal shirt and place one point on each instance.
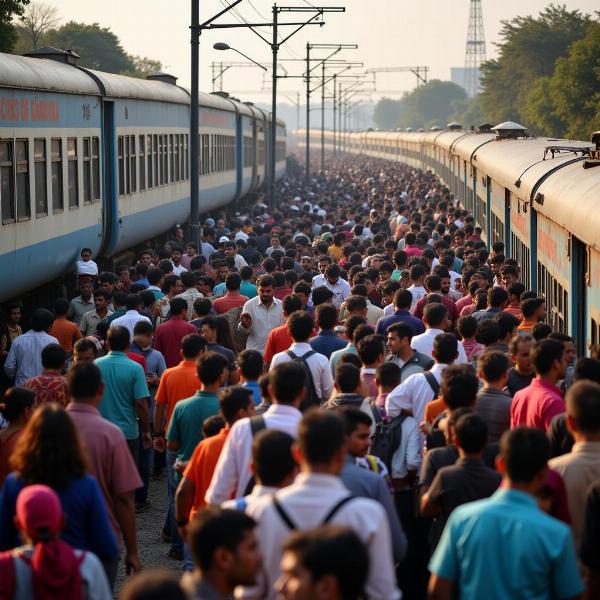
(185, 426)
(506, 547)
(124, 383)
(248, 289)
(335, 356)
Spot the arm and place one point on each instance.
(125, 515)
(269, 353)
(429, 505)
(10, 366)
(184, 498)
(399, 399)
(100, 535)
(440, 589)
(173, 438)
(326, 381)
(399, 542)
(141, 408)
(226, 475)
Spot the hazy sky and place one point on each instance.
(389, 33)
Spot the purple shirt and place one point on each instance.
(536, 405)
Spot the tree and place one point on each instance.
(143, 66)
(387, 113)
(98, 47)
(36, 22)
(540, 110)
(469, 112)
(9, 9)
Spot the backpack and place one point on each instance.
(257, 424)
(433, 383)
(292, 526)
(387, 437)
(310, 394)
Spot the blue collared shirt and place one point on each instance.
(385, 323)
(506, 547)
(327, 342)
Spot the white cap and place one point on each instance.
(223, 239)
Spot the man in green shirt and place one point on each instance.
(185, 427)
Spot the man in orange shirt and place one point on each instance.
(236, 403)
(534, 311)
(279, 339)
(65, 331)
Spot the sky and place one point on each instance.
(389, 33)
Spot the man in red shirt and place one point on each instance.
(168, 336)
(433, 285)
(537, 404)
(279, 339)
(50, 386)
(233, 298)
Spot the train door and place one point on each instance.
(579, 290)
(110, 213)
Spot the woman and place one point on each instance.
(49, 453)
(224, 337)
(16, 408)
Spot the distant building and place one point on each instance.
(458, 75)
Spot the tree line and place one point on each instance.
(546, 76)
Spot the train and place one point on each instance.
(540, 196)
(98, 160)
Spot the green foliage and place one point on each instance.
(539, 112)
(9, 9)
(469, 112)
(142, 66)
(386, 113)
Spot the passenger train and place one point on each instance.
(537, 195)
(92, 159)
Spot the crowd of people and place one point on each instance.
(351, 396)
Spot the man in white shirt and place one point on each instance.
(301, 325)
(260, 315)
(340, 287)
(232, 473)
(231, 252)
(413, 394)
(132, 316)
(435, 317)
(317, 497)
(417, 277)
(323, 262)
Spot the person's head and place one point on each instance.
(508, 275)
(236, 402)
(233, 282)
(347, 378)
(568, 345)
(266, 286)
(133, 302)
(286, 383)
(435, 316)
(492, 367)
(540, 331)
(356, 305)
(12, 310)
(223, 545)
(39, 517)
(488, 332)
(445, 348)
(86, 254)
(146, 257)
(524, 454)
(321, 445)
(466, 326)
(519, 350)
(176, 254)
(587, 368)
(49, 449)
(326, 316)
(321, 295)
(192, 346)
(208, 329)
(459, 386)
(61, 307)
(17, 404)
(328, 563)
(358, 430)
(497, 297)
(507, 325)
(387, 377)
(202, 307)
(155, 584)
(178, 307)
(188, 279)
(251, 364)
(84, 351)
(155, 276)
(42, 319)
(85, 288)
(371, 350)
(470, 434)
(272, 461)
(212, 370)
(583, 410)
(351, 324)
(143, 333)
(534, 309)
(85, 383)
(53, 357)
(514, 292)
(291, 304)
(300, 325)
(399, 336)
(402, 300)
(550, 359)
(223, 270)
(118, 339)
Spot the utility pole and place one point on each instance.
(334, 107)
(475, 52)
(323, 116)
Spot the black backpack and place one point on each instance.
(387, 437)
(257, 424)
(310, 393)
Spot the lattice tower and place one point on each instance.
(475, 53)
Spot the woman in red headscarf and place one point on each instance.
(47, 568)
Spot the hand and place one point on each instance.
(132, 563)
(146, 440)
(426, 428)
(246, 320)
(159, 444)
(183, 532)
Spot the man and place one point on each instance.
(493, 403)
(247, 288)
(534, 312)
(169, 335)
(580, 468)
(417, 275)
(24, 358)
(589, 544)
(89, 322)
(514, 299)
(176, 255)
(497, 298)
(65, 331)
(155, 278)
(223, 271)
(323, 262)
(435, 317)
(231, 253)
(329, 563)
(421, 388)
(260, 315)
(84, 352)
(132, 316)
(363, 483)
(402, 304)
(371, 351)
(251, 366)
(110, 460)
(318, 497)
(190, 293)
(233, 298)
(466, 481)
(351, 325)
(82, 303)
(119, 304)
(399, 338)
(538, 403)
(340, 287)
(326, 341)
(209, 331)
(542, 560)
(347, 386)
(521, 375)
(279, 339)
(232, 473)
(433, 285)
(51, 385)
(301, 325)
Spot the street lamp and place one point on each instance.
(224, 46)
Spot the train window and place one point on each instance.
(41, 185)
(155, 152)
(187, 157)
(22, 177)
(172, 158)
(205, 153)
(161, 162)
(175, 158)
(557, 299)
(166, 157)
(127, 189)
(150, 182)
(7, 181)
(142, 163)
(57, 175)
(247, 151)
(133, 163)
(87, 171)
(96, 168)
(72, 173)
(497, 227)
(121, 159)
(521, 253)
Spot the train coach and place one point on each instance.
(101, 160)
(540, 196)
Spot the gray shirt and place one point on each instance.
(493, 406)
(78, 307)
